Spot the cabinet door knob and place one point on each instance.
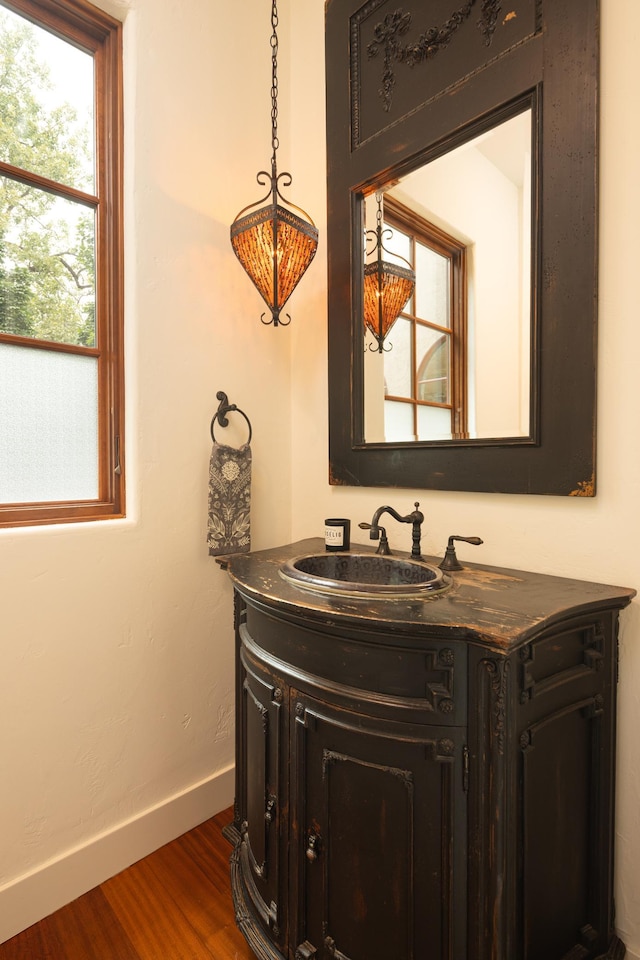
(313, 843)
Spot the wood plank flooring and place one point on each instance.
(173, 905)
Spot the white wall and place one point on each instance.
(593, 539)
(116, 686)
(471, 198)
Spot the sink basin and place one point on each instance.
(363, 575)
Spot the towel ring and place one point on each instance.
(221, 414)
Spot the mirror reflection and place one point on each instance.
(456, 364)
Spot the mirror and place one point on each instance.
(470, 313)
(418, 100)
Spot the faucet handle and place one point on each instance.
(383, 546)
(451, 561)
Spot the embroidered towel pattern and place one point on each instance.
(229, 500)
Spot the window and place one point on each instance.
(425, 371)
(61, 286)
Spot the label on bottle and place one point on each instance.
(337, 533)
(334, 536)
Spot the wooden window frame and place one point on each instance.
(397, 215)
(100, 35)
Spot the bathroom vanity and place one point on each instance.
(425, 778)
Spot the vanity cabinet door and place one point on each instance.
(565, 844)
(379, 837)
(566, 727)
(262, 828)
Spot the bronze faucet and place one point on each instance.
(377, 532)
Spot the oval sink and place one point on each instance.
(363, 575)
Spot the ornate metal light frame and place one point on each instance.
(387, 286)
(275, 245)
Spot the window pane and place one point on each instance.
(397, 245)
(48, 426)
(433, 349)
(46, 105)
(434, 423)
(398, 250)
(47, 265)
(398, 361)
(398, 422)
(432, 286)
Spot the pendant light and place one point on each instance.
(387, 286)
(275, 245)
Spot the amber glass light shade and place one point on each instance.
(387, 287)
(275, 246)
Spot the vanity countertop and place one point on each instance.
(499, 607)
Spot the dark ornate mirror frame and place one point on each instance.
(405, 84)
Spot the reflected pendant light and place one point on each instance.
(275, 245)
(387, 286)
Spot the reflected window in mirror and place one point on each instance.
(423, 363)
(456, 364)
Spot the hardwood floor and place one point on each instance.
(173, 905)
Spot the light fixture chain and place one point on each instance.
(275, 143)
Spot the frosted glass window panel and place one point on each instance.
(434, 423)
(398, 422)
(48, 426)
(397, 360)
(47, 91)
(47, 266)
(433, 350)
(432, 286)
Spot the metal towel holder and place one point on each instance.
(221, 414)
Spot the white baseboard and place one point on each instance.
(37, 894)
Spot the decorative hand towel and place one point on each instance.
(229, 500)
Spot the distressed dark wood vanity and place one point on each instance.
(425, 779)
